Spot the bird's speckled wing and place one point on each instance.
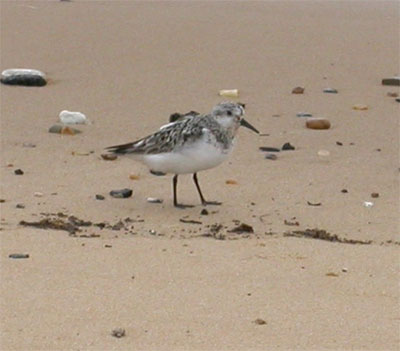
(168, 138)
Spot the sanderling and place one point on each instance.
(190, 143)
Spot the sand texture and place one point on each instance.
(301, 254)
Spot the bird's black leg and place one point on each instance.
(175, 184)
(203, 201)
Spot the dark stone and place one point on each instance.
(99, 197)
(394, 81)
(272, 157)
(122, 193)
(159, 174)
(288, 146)
(204, 212)
(269, 149)
(118, 333)
(19, 172)
(18, 256)
(20, 206)
(28, 80)
(330, 91)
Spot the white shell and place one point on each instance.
(20, 72)
(368, 204)
(229, 92)
(69, 117)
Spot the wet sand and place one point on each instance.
(180, 280)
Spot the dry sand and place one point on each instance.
(127, 65)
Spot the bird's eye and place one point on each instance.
(229, 113)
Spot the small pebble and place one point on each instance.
(31, 145)
(122, 193)
(360, 107)
(204, 212)
(397, 99)
(18, 255)
(20, 206)
(323, 153)
(339, 143)
(344, 191)
(368, 204)
(100, 197)
(231, 182)
(229, 92)
(298, 90)
(375, 195)
(260, 321)
(288, 146)
(318, 123)
(330, 91)
(134, 177)
(394, 81)
(154, 200)
(303, 114)
(19, 172)
(118, 333)
(392, 94)
(344, 269)
(271, 157)
(109, 157)
(23, 76)
(71, 117)
(38, 194)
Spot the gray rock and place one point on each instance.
(18, 256)
(394, 81)
(330, 91)
(22, 76)
(287, 146)
(121, 194)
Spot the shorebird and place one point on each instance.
(190, 143)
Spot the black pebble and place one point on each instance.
(17, 255)
(204, 212)
(20, 206)
(100, 197)
(19, 172)
(288, 146)
(123, 193)
(269, 149)
(25, 80)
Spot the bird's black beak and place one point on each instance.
(246, 124)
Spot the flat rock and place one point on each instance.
(330, 91)
(269, 149)
(298, 90)
(18, 255)
(24, 77)
(394, 81)
(318, 123)
(121, 194)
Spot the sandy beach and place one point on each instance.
(304, 251)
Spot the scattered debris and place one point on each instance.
(298, 90)
(242, 228)
(18, 255)
(314, 203)
(19, 172)
(229, 92)
(332, 274)
(394, 81)
(287, 146)
(303, 114)
(260, 321)
(323, 235)
(118, 332)
(23, 76)
(292, 222)
(154, 200)
(121, 194)
(70, 117)
(231, 182)
(191, 221)
(318, 123)
(360, 107)
(109, 157)
(214, 232)
(272, 157)
(330, 91)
